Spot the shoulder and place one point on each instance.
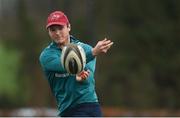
(49, 50)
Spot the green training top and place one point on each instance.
(67, 91)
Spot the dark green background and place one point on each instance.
(140, 71)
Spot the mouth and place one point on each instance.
(59, 40)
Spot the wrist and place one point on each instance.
(94, 52)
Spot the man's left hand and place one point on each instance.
(83, 75)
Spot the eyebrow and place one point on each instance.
(53, 27)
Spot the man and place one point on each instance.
(75, 95)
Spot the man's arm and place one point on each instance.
(101, 47)
(50, 61)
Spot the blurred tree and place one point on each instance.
(30, 74)
(90, 22)
(145, 46)
(140, 71)
(9, 68)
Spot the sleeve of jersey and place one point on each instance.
(88, 50)
(51, 62)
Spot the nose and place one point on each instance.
(57, 32)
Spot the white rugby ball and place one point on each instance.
(73, 58)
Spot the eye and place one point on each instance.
(60, 27)
(56, 27)
(52, 29)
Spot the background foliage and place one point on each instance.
(140, 71)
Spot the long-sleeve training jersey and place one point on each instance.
(67, 91)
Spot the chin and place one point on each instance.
(61, 42)
(58, 41)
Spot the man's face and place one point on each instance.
(59, 33)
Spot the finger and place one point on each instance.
(85, 74)
(104, 39)
(106, 42)
(84, 77)
(107, 46)
(85, 71)
(81, 73)
(110, 44)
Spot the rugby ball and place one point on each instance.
(73, 58)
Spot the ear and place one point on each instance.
(69, 27)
